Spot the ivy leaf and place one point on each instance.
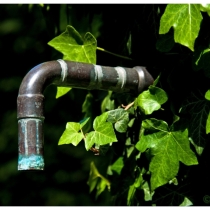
(147, 192)
(62, 91)
(202, 61)
(186, 202)
(120, 119)
(103, 134)
(87, 109)
(71, 135)
(83, 122)
(118, 165)
(73, 47)
(165, 42)
(198, 108)
(185, 19)
(208, 124)
(156, 80)
(151, 100)
(205, 8)
(137, 184)
(168, 146)
(207, 95)
(107, 103)
(96, 180)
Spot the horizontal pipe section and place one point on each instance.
(64, 74)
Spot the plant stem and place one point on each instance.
(117, 55)
(128, 106)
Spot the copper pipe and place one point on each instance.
(64, 74)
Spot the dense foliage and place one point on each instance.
(152, 140)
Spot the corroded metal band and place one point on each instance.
(64, 69)
(96, 78)
(30, 144)
(121, 77)
(141, 76)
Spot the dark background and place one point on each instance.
(25, 31)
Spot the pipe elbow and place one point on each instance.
(30, 115)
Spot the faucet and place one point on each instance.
(64, 74)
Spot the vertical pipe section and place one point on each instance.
(64, 74)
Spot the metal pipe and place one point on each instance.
(64, 74)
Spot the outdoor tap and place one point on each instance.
(64, 74)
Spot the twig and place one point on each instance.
(120, 56)
(128, 106)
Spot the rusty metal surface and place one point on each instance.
(65, 74)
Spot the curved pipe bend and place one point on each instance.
(65, 74)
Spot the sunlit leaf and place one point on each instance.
(120, 119)
(185, 19)
(168, 146)
(186, 202)
(103, 134)
(147, 192)
(118, 165)
(207, 95)
(208, 124)
(71, 134)
(73, 47)
(205, 8)
(62, 91)
(151, 100)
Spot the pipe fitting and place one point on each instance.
(64, 74)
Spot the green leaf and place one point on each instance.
(202, 61)
(173, 181)
(71, 135)
(87, 109)
(147, 193)
(118, 165)
(96, 180)
(207, 95)
(185, 19)
(205, 8)
(107, 103)
(198, 108)
(208, 124)
(103, 134)
(165, 42)
(151, 100)
(120, 119)
(73, 47)
(136, 184)
(168, 146)
(83, 122)
(62, 91)
(156, 80)
(186, 202)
